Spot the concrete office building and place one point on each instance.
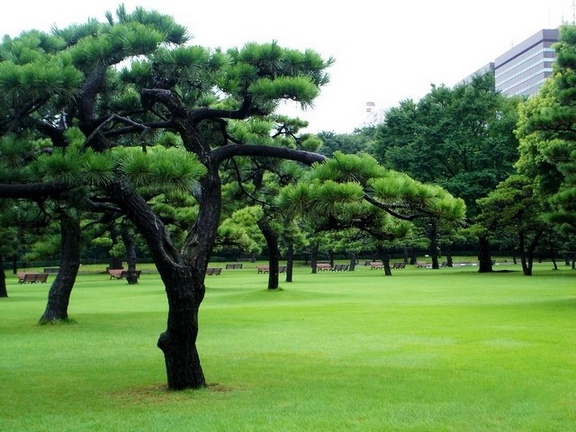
(523, 69)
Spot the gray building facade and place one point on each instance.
(521, 71)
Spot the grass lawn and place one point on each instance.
(423, 350)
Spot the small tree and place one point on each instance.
(513, 207)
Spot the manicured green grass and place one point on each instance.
(424, 350)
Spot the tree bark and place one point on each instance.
(314, 256)
(432, 232)
(182, 273)
(3, 290)
(185, 291)
(352, 261)
(527, 253)
(484, 256)
(289, 262)
(273, 251)
(59, 294)
(385, 257)
(449, 258)
(130, 255)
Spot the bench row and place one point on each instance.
(32, 277)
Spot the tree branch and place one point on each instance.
(232, 150)
(33, 190)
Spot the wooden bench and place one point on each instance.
(123, 274)
(422, 264)
(233, 266)
(323, 266)
(115, 273)
(213, 271)
(399, 265)
(374, 265)
(266, 269)
(341, 267)
(32, 277)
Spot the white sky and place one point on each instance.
(385, 51)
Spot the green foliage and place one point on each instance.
(74, 167)
(461, 139)
(548, 140)
(241, 229)
(160, 168)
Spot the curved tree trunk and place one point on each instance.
(182, 273)
(59, 294)
(527, 253)
(352, 261)
(484, 256)
(3, 290)
(273, 251)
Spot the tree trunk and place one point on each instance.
(526, 265)
(352, 261)
(484, 256)
(314, 256)
(552, 250)
(385, 257)
(59, 294)
(527, 256)
(185, 291)
(182, 273)
(433, 237)
(3, 290)
(289, 262)
(273, 251)
(449, 258)
(130, 255)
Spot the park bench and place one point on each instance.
(422, 264)
(233, 266)
(210, 271)
(123, 274)
(115, 273)
(375, 265)
(266, 269)
(323, 266)
(32, 277)
(341, 267)
(399, 265)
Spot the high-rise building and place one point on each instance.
(523, 69)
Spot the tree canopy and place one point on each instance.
(113, 116)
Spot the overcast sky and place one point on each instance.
(385, 52)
